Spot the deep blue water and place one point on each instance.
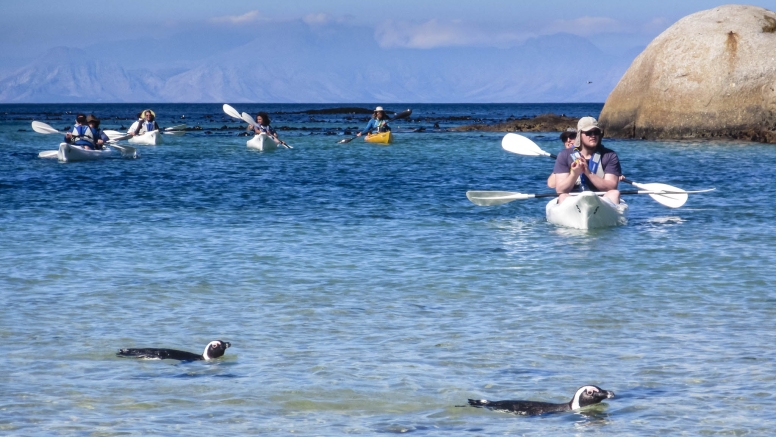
(364, 294)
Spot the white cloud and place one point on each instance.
(585, 26)
(322, 18)
(434, 34)
(319, 18)
(248, 17)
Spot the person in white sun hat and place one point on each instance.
(378, 122)
(588, 166)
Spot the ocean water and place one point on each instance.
(363, 293)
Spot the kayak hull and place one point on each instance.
(262, 142)
(379, 138)
(587, 211)
(70, 153)
(153, 138)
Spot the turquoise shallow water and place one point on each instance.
(363, 294)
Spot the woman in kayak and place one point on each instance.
(147, 125)
(262, 127)
(378, 122)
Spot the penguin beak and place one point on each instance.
(227, 345)
(609, 394)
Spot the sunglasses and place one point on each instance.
(593, 133)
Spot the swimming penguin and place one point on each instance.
(586, 395)
(214, 349)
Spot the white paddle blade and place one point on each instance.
(248, 119)
(178, 127)
(177, 133)
(48, 154)
(114, 134)
(493, 198)
(231, 111)
(125, 150)
(521, 145)
(119, 138)
(677, 198)
(43, 128)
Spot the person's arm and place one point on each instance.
(564, 182)
(368, 128)
(610, 163)
(551, 181)
(566, 176)
(104, 137)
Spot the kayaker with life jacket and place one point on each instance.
(262, 127)
(148, 124)
(378, 122)
(568, 137)
(588, 166)
(94, 125)
(82, 135)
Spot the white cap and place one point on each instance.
(379, 108)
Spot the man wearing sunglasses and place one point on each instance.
(588, 166)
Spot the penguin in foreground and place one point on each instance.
(586, 395)
(213, 350)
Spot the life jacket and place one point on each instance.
(594, 164)
(83, 136)
(382, 125)
(266, 129)
(147, 126)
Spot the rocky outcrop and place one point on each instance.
(710, 75)
(540, 123)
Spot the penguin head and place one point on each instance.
(589, 395)
(215, 349)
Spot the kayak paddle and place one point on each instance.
(492, 198)
(668, 195)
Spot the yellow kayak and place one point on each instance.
(381, 138)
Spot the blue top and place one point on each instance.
(375, 124)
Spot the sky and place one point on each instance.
(29, 27)
(172, 37)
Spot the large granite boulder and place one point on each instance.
(711, 74)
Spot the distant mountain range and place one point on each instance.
(308, 66)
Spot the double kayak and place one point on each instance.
(262, 142)
(152, 138)
(379, 138)
(72, 153)
(587, 211)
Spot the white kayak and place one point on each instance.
(71, 153)
(587, 211)
(152, 138)
(262, 142)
